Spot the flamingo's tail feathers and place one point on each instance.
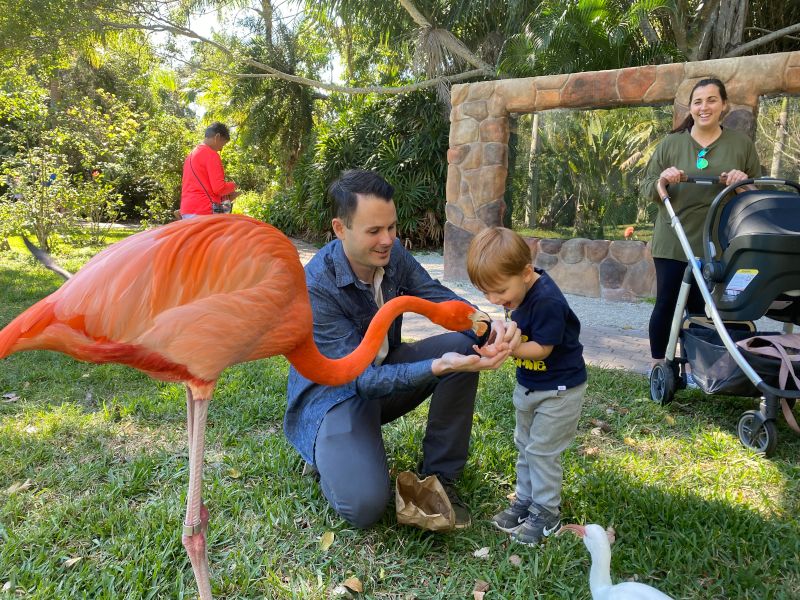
(44, 258)
(22, 332)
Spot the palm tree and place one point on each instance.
(584, 35)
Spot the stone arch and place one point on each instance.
(479, 128)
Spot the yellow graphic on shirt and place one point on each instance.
(527, 363)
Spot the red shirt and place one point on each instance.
(203, 181)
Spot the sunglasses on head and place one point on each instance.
(702, 161)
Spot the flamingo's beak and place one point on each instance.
(481, 325)
(578, 530)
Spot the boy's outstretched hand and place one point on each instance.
(504, 334)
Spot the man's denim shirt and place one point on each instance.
(343, 307)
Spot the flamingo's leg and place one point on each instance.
(196, 522)
(189, 429)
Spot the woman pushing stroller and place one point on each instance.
(698, 147)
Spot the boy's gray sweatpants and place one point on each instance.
(546, 424)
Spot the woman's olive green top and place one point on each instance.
(731, 150)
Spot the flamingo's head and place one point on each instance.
(594, 536)
(456, 315)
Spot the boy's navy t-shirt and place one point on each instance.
(546, 318)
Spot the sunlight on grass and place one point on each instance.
(103, 452)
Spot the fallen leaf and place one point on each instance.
(669, 419)
(623, 411)
(590, 451)
(7, 586)
(234, 473)
(515, 560)
(629, 441)
(611, 533)
(481, 587)
(71, 561)
(353, 583)
(481, 553)
(340, 591)
(512, 497)
(19, 487)
(10, 397)
(30, 429)
(596, 431)
(326, 541)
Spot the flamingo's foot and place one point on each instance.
(194, 540)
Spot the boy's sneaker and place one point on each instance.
(512, 517)
(460, 509)
(536, 526)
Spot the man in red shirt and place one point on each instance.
(203, 176)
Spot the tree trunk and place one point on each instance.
(729, 28)
(780, 138)
(266, 16)
(513, 142)
(532, 206)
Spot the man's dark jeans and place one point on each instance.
(349, 451)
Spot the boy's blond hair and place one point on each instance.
(494, 254)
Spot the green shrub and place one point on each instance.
(403, 138)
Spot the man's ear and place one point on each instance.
(338, 227)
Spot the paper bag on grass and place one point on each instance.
(423, 503)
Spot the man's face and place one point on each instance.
(368, 241)
(217, 142)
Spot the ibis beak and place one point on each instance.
(578, 530)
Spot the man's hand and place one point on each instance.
(452, 362)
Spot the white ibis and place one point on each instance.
(598, 541)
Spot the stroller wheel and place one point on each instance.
(662, 383)
(756, 433)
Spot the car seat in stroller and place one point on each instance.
(752, 255)
(750, 269)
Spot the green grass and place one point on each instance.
(104, 449)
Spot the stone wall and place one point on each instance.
(618, 270)
(479, 130)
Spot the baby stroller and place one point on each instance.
(750, 269)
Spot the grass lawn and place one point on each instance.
(643, 232)
(93, 476)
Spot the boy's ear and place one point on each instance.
(527, 273)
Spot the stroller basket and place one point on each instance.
(714, 369)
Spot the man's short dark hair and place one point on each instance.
(356, 181)
(218, 128)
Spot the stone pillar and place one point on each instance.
(477, 169)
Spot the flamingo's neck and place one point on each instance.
(600, 573)
(312, 364)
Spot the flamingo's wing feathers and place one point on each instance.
(202, 293)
